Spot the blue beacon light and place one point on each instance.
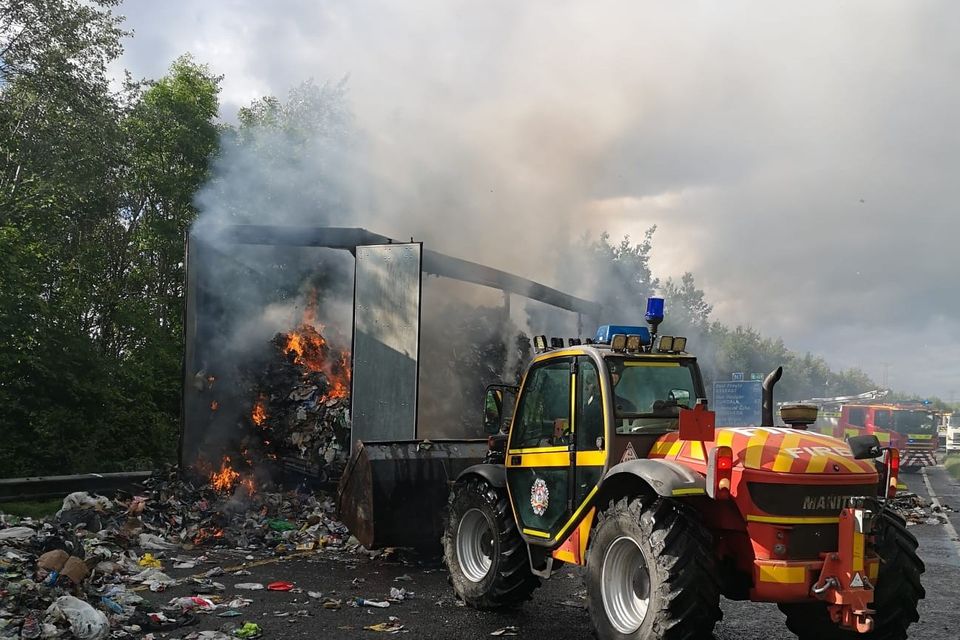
(654, 313)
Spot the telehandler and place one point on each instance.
(609, 458)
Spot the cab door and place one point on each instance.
(539, 450)
(548, 479)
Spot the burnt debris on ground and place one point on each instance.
(918, 510)
(84, 572)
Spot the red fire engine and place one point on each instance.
(911, 428)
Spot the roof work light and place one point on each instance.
(634, 342)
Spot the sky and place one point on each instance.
(801, 160)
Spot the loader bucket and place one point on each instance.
(393, 494)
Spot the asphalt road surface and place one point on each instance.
(556, 612)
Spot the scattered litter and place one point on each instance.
(248, 586)
(385, 627)
(917, 510)
(248, 630)
(403, 578)
(399, 595)
(316, 595)
(155, 543)
(239, 603)
(229, 613)
(202, 635)
(331, 603)
(16, 534)
(86, 623)
(281, 525)
(150, 562)
(363, 602)
(112, 606)
(280, 586)
(506, 631)
(190, 603)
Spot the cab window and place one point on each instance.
(543, 418)
(648, 395)
(883, 419)
(589, 423)
(857, 416)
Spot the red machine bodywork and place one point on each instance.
(783, 523)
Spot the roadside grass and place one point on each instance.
(33, 508)
(952, 464)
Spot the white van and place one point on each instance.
(953, 433)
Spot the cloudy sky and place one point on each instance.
(801, 159)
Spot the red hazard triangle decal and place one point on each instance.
(629, 454)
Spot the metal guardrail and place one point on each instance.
(46, 487)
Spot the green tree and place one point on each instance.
(687, 304)
(95, 195)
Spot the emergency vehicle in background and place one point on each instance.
(909, 427)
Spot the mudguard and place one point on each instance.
(667, 478)
(495, 474)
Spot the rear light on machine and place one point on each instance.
(891, 460)
(719, 472)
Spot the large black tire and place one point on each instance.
(680, 584)
(507, 579)
(898, 590)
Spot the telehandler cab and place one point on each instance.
(611, 460)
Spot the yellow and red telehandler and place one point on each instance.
(609, 458)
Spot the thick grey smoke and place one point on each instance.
(797, 158)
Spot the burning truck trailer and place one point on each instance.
(279, 391)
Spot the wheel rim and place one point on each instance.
(625, 585)
(475, 545)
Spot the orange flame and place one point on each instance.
(226, 478)
(207, 534)
(312, 351)
(259, 413)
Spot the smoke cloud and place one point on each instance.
(798, 159)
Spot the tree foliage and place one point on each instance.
(96, 192)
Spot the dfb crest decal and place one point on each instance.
(539, 497)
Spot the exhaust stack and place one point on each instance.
(766, 407)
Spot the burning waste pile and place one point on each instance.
(81, 573)
(298, 422)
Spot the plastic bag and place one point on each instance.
(155, 543)
(189, 603)
(86, 623)
(83, 500)
(16, 534)
(248, 630)
(150, 562)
